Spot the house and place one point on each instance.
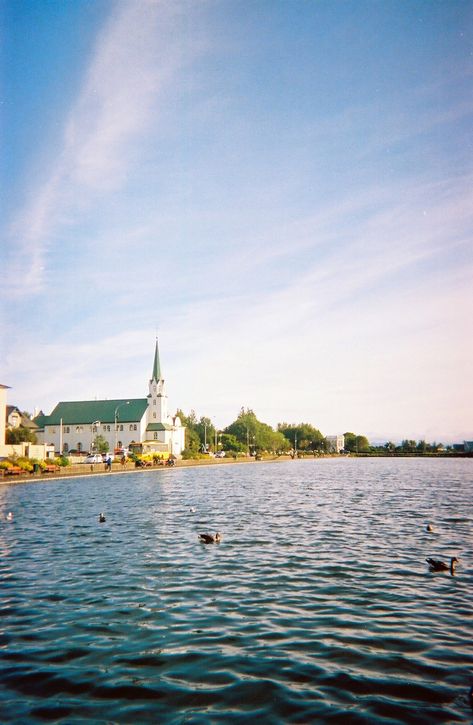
(142, 424)
(3, 418)
(336, 443)
(11, 417)
(16, 419)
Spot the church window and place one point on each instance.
(65, 447)
(154, 415)
(79, 446)
(131, 426)
(154, 402)
(121, 427)
(155, 436)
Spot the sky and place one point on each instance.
(280, 190)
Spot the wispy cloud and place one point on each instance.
(135, 59)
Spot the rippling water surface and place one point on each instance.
(317, 606)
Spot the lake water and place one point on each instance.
(317, 606)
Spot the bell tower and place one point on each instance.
(157, 398)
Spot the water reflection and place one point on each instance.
(317, 604)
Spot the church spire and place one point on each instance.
(156, 365)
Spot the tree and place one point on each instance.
(20, 435)
(254, 435)
(100, 444)
(356, 443)
(206, 432)
(302, 436)
(231, 443)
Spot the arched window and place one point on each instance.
(65, 447)
(155, 436)
(79, 446)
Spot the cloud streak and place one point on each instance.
(134, 61)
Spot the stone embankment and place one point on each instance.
(94, 469)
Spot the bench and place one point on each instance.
(13, 471)
(51, 469)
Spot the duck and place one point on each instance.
(102, 518)
(437, 565)
(430, 528)
(9, 516)
(192, 510)
(210, 538)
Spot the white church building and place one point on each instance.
(139, 424)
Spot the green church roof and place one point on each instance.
(86, 412)
(159, 426)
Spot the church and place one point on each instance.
(142, 425)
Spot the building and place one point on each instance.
(16, 419)
(10, 418)
(3, 418)
(142, 424)
(336, 443)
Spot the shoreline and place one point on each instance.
(77, 470)
(120, 470)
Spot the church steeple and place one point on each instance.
(156, 364)
(157, 398)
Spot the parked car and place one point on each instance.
(94, 458)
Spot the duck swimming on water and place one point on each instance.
(210, 538)
(102, 518)
(437, 565)
(430, 528)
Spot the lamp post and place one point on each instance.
(116, 421)
(95, 425)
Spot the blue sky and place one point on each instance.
(282, 191)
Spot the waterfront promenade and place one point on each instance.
(80, 470)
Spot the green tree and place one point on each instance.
(254, 435)
(303, 436)
(20, 435)
(100, 444)
(231, 443)
(356, 443)
(206, 432)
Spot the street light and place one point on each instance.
(95, 424)
(116, 419)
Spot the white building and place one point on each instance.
(11, 417)
(140, 423)
(3, 418)
(336, 443)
